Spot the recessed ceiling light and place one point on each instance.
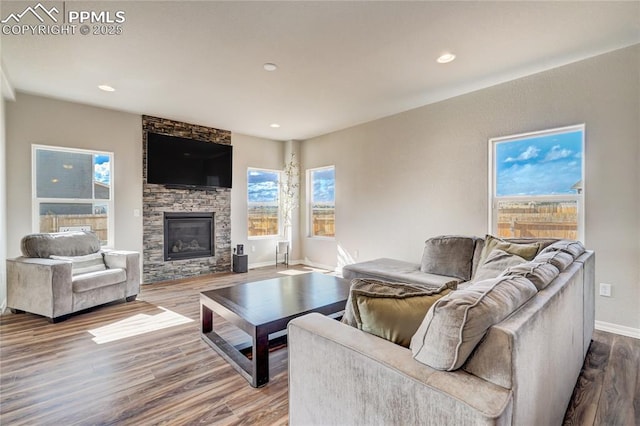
(274, 125)
(106, 88)
(445, 58)
(270, 67)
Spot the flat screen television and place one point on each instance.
(181, 162)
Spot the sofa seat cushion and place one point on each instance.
(97, 279)
(84, 264)
(74, 243)
(392, 311)
(396, 271)
(448, 255)
(497, 262)
(539, 273)
(456, 323)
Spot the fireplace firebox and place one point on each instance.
(188, 235)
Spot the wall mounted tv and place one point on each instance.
(181, 162)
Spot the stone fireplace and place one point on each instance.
(188, 235)
(193, 255)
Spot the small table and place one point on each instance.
(264, 308)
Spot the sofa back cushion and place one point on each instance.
(526, 250)
(497, 262)
(456, 323)
(448, 255)
(574, 248)
(539, 273)
(73, 243)
(559, 259)
(393, 311)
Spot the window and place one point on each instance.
(72, 190)
(322, 201)
(263, 214)
(537, 184)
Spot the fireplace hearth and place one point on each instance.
(188, 235)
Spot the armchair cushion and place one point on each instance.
(84, 264)
(75, 243)
(97, 279)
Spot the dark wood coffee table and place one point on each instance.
(262, 309)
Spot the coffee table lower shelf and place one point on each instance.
(243, 358)
(262, 310)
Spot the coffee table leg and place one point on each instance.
(206, 319)
(260, 352)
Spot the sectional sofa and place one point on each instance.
(505, 348)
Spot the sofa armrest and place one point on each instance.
(341, 375)
(544, 334)
(39, 286)
(130, 262)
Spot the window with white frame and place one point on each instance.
(73, 190)
(537, 184)
(322, 201)
(263, 210)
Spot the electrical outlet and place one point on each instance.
(253, 249)
(356, 254)
(605, 290)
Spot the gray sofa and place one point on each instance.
(520, 370)
(62, 273)
(446, 259)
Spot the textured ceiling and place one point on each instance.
(340, 63)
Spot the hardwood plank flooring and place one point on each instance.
(607, 392)
(58, 374)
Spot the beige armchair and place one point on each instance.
(66, 272)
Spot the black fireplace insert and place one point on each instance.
(188, 235)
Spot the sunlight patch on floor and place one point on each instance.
(138, 324)
(307, 270)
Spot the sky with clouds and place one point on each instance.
(262, 186)
(542, 165)
(102, 169)
(324, 185)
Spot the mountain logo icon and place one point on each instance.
(39, 11)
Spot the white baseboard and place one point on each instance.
(294, 262)
(272, 263)
(318, 265)
(618, 329)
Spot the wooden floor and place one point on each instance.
(62, 374)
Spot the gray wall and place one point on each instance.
(3, 207)
(400, 179)
(249, 151)
(405, 178)
(37, 120)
